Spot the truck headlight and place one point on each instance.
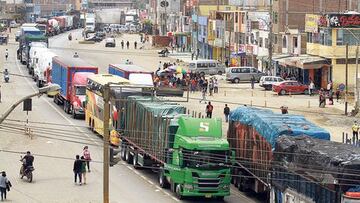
(226, 187)
(188, 186)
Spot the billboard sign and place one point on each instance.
(312, 23)
(344, 20)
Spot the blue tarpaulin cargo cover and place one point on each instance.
(272, 125)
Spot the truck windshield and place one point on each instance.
(206, 159)
(80, 90)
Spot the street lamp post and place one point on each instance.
(50, 88)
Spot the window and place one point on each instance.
(253, 70)
(275, 39)
(348, 36)
(275, 17)
(212, 65)
(260, 42)
(202, 65)
(295, 41)
(236, 17)
(266, 43)
(245, 70)
(235, 70)
(284, 42)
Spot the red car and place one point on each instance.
(292, 87)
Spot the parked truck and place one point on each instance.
(90, 22)
(71, 74)
(39, 68)
(252, 135)
(35, 54)
(306, 169)
(141, 76)
(190, 154)
(62, 23)
(29, 35)
(53, 27)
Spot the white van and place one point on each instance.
(245, 73)
(207, 67)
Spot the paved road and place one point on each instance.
(56, 145)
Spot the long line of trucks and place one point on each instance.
(283, 157)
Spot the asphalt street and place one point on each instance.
(57, 138)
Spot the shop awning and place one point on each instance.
(303, 61)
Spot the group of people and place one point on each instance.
(80, 165)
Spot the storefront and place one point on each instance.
(305, 68)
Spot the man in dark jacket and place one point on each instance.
(77, 169)
(226, 113)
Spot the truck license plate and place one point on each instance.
(208, 195)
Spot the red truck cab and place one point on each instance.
(78, 93)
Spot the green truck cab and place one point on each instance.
(189, 154)
(199, 159)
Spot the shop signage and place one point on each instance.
(311, 23)
(344, 20)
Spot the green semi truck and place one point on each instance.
(189, 154)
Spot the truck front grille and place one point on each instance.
(208, 184)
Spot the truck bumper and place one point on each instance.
(79, 112)
(195, 193)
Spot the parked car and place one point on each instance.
(94, 38)
(17, 35)
(207, 67)
(267, 81)
(110, 42)
(237, 74)
(292, 87)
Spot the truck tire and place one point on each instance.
(239, 182)
(66, 107)
(178, 190)
(123, 151)
(128, 156)
(56, 100)
(163, 183)
(135, 161)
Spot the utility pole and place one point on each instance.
(356, 79)
(106, 164)
(270, 47)
(346, 77)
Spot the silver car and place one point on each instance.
(267, 81)
(207, 67)
(237, 74)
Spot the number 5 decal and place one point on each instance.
(204, 127)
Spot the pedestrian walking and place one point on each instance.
(216, 86)
(226, 113)
(83, 169)
(183, 48)
(77, 169)
(86, 154)
(355, 129)
(127, 44)
(252, 82)
(337, 94)
(135, 45)
(6, 54)
(211, 87)
(311, 88)
(4, 185)
(122, 44)
(203, 93)
(322, 99)
(205, 85)
(209, 110)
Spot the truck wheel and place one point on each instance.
(163, 183)
(239, 183)
(135, 161)
(56, 100)
(178, 190)
(123, 151)
(128, 157)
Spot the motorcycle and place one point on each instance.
(28, 172)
